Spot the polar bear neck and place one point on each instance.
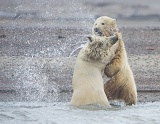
(83, 60)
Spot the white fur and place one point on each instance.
(88, 83)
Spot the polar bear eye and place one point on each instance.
(102, 23)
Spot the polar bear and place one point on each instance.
(87, 82)
(122, 84)
(105, 26)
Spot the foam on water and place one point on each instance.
(62, 113)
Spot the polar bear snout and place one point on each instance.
(98, 31)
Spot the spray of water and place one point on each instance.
(81, 46)
(33, 47)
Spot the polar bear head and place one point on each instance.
(104, 26)
(99, 47)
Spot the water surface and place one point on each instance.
(64, 113)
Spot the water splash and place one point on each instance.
(81, 46)
(39, 35)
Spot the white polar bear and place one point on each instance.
(87, 82)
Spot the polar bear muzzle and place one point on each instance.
(98, 31)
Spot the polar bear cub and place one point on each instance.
(87, 82)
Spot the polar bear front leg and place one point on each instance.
(117, 62)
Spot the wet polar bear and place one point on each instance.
(87, 82)
(122, 84)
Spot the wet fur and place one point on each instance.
(87, 82)
(121, 85)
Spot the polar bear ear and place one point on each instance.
(113, 22)
(90, 38)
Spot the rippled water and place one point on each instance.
(63, 113)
